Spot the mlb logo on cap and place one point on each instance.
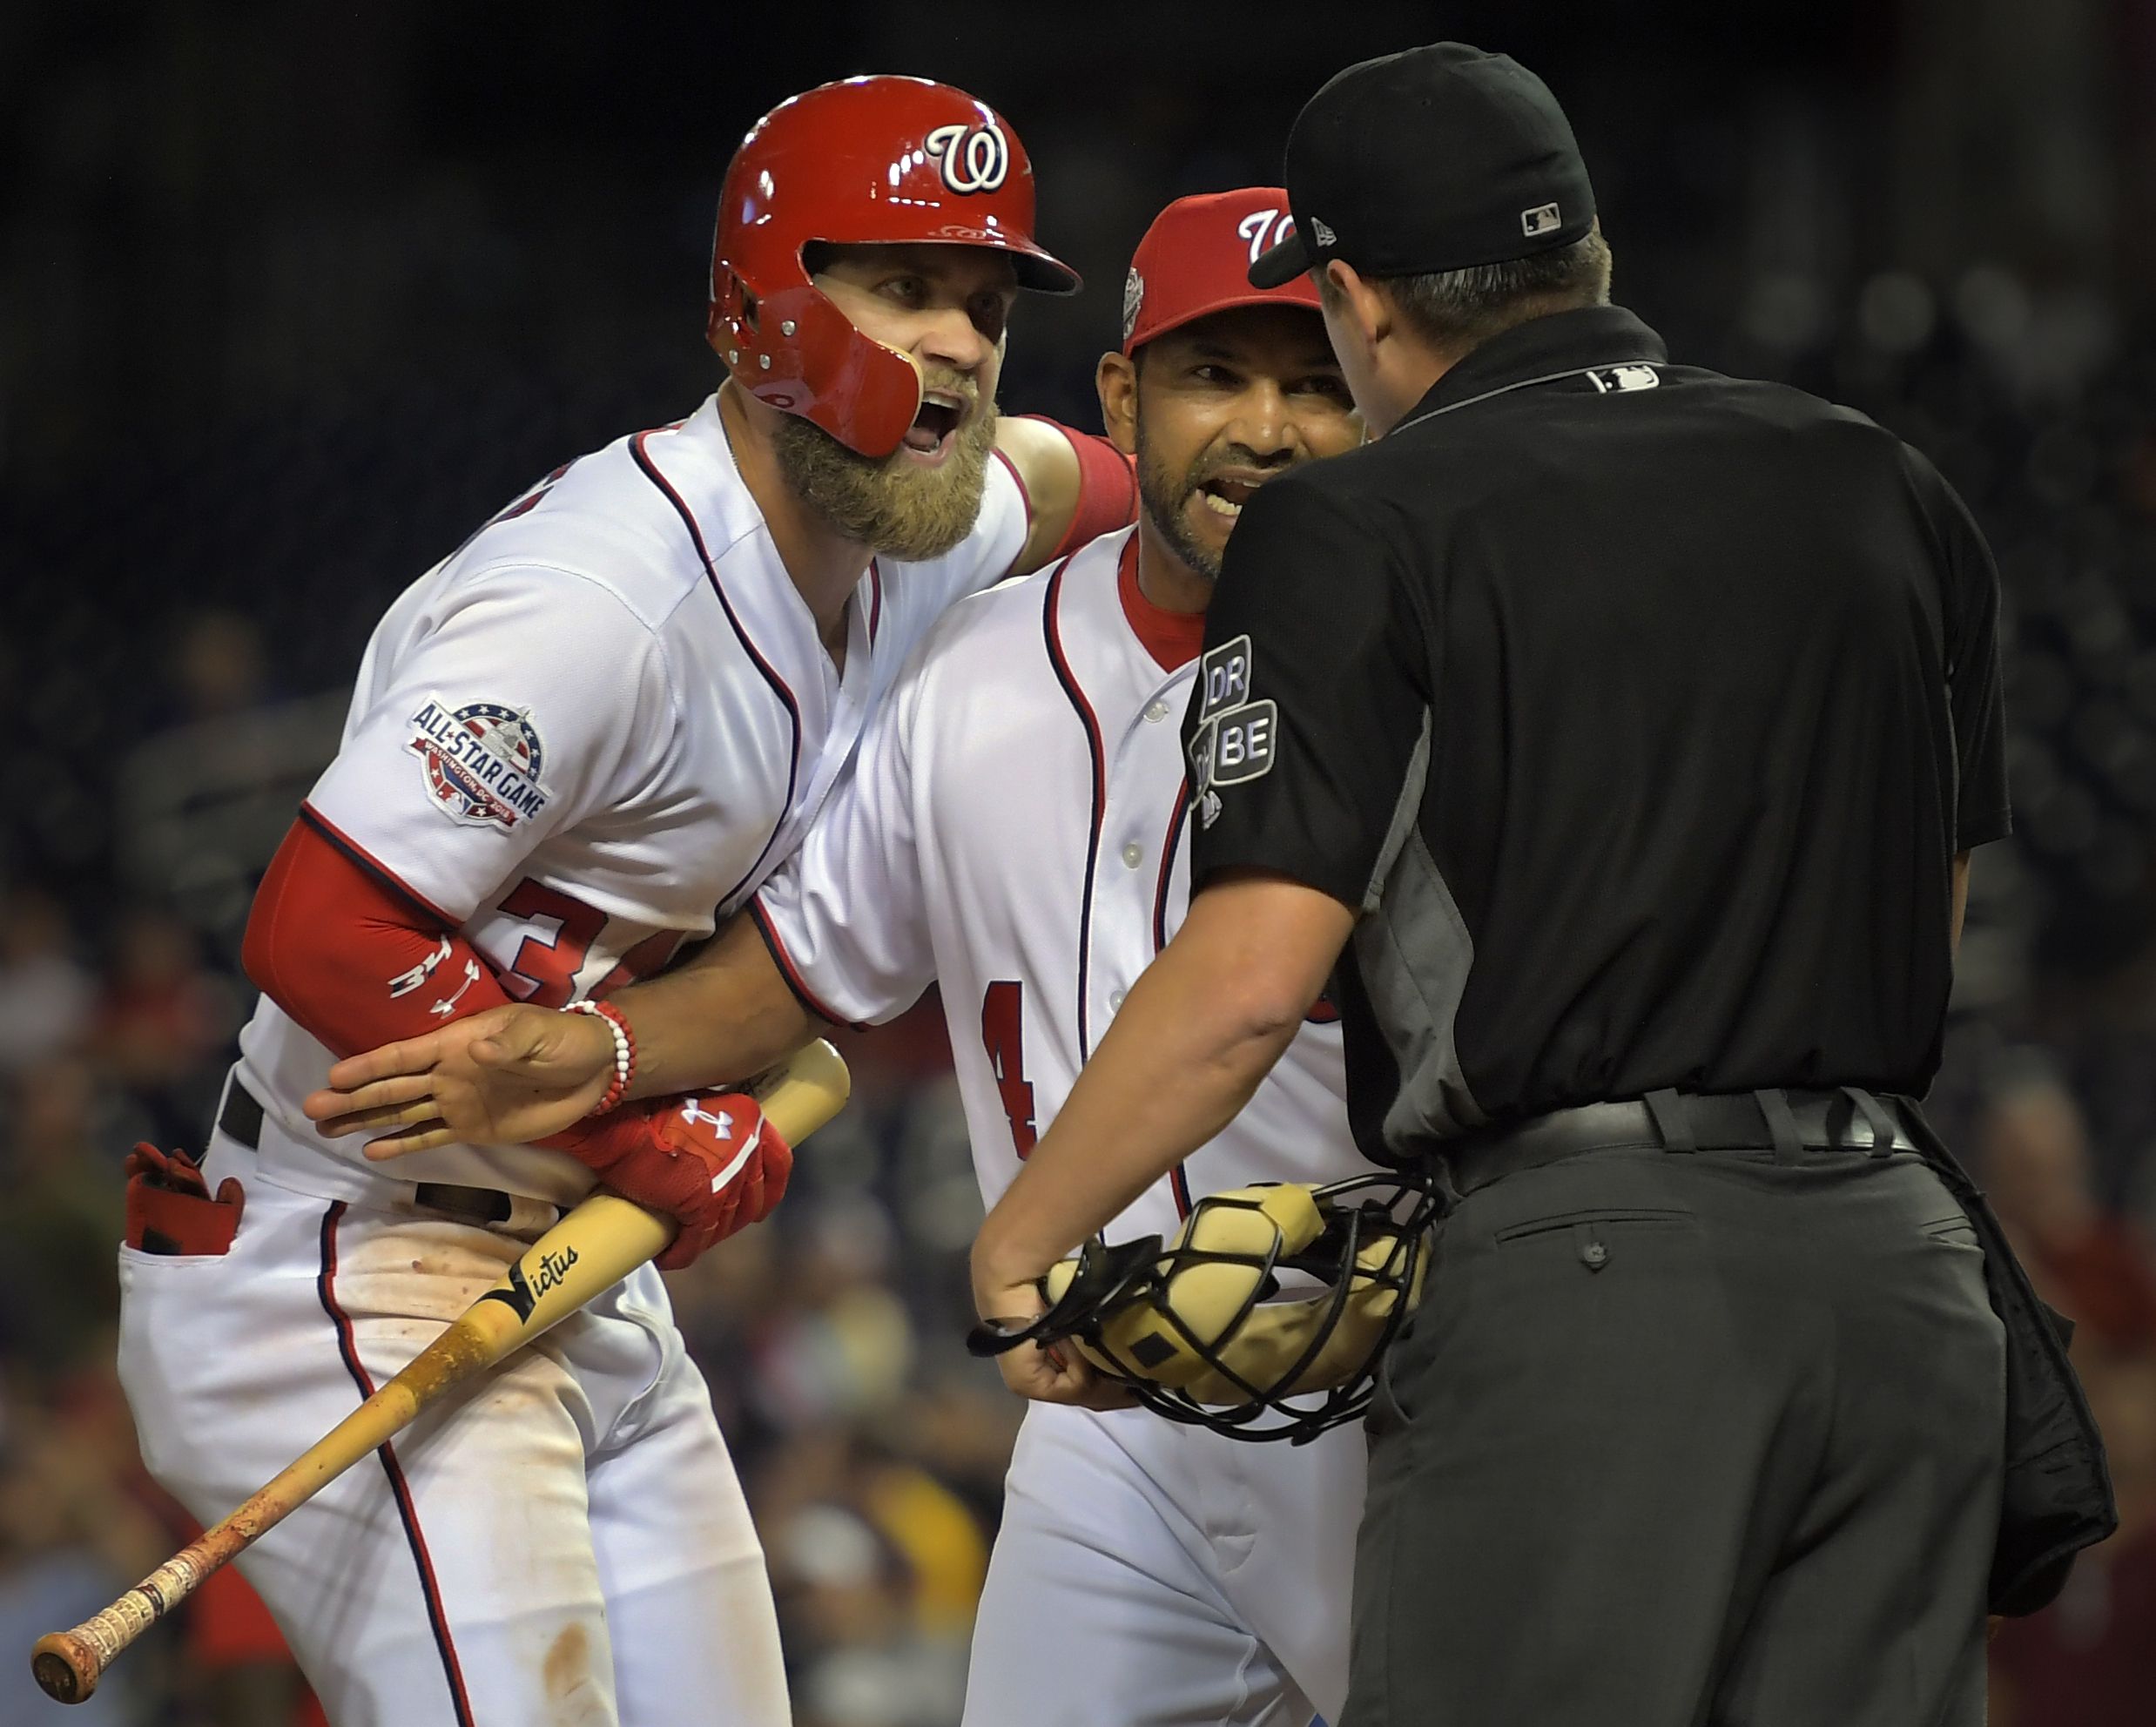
(1440, 157)
(1195, 260)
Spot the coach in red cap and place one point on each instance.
(1218, 386)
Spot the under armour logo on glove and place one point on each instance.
(721, 1124)
(713, 1166)
(694, 1113)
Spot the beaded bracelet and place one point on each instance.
(624, 1051)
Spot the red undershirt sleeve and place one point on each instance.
(1107, 488)
(352, 954)
(358, 961)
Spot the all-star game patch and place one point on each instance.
(482, 761)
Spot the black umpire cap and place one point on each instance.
(1439, 158)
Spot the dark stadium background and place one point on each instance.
(292, 295)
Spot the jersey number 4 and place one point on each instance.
(1002, 1029)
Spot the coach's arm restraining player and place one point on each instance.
(956, 850)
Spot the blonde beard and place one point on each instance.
(896, 510)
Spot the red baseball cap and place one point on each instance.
(1195, 260)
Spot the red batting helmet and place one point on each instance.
(864, 161)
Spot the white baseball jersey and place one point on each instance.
(605, 718)
(1014, 828)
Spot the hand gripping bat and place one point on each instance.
(599, 1243)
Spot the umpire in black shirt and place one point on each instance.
(1612, 736)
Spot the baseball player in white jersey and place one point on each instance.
(614, 709)
(1014, 827)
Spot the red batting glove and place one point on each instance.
(713, 1164)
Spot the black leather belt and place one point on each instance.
(240, 1118)
(1788, 1123)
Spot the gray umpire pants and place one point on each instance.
(1686, 1439)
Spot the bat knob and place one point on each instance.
(65, 1666)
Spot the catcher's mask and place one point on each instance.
(1190, 1328)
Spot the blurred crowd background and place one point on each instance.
(293, 295)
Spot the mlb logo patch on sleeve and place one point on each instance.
(481, 761)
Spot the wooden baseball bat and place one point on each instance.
(597, 1244)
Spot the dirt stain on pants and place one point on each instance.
(567, 1675)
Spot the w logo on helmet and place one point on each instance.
(974, 158)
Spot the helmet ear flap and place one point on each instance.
(794, 350)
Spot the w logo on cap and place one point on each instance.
(974, 158)
(1265, 229)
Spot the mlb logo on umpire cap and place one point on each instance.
(1540, 220)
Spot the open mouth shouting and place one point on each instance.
(1219, 497)
(935, 429)
(1224, 495)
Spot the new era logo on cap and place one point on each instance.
(1134, 297)
(1540, 220)
(1322, 234)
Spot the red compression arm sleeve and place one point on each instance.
(352, 957)
(1107, 488)
(359, 962)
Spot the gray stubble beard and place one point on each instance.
(1162, 495)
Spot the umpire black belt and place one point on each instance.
(1789, 1124)
(240, 1119)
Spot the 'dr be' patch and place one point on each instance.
(1224, 678)
(1243, 743)
(481, 760)
(1234, 736)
